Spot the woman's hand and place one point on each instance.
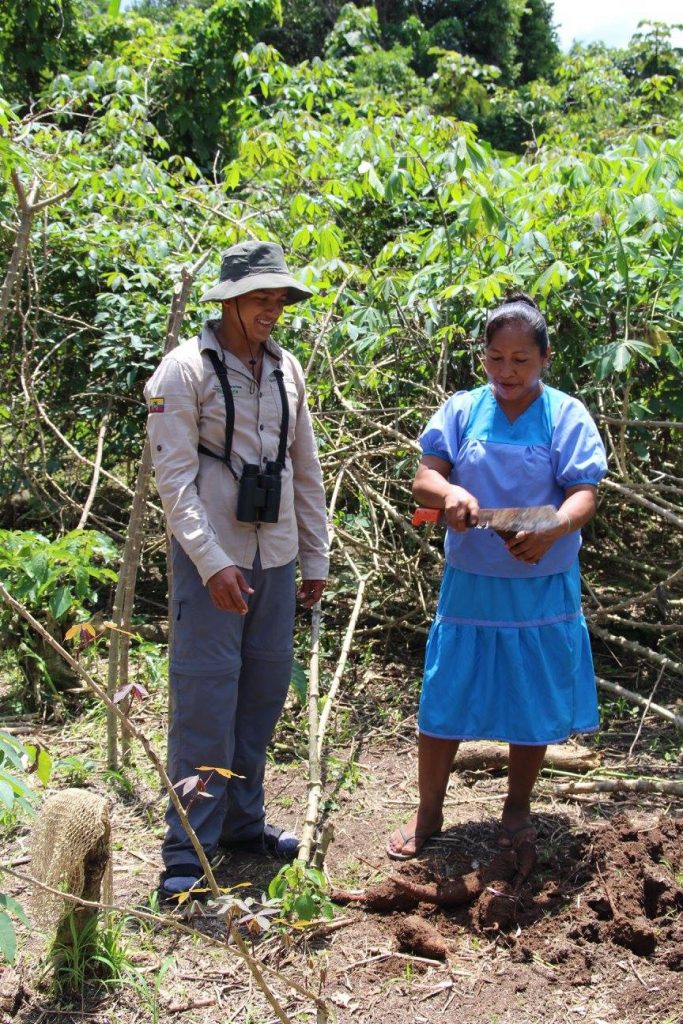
(530, 547)
(577, 509)
(461, 509)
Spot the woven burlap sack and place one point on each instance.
(71, 851)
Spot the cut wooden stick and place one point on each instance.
(314, 777)
(97, 468)
(341, 664)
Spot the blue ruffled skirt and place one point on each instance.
(508, 659)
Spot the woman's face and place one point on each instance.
(513, 364)
(259, 311)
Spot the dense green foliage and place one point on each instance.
(414, 165)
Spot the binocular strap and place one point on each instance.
(222, 374)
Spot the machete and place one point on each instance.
(505, 521)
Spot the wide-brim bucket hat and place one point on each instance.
(250, 266)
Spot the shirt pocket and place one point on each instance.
(276, 406)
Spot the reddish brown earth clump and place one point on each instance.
(616, 884)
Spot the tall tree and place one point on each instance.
(537, 44)
(305, 24)
(37, 39)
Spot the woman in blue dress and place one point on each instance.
(508, 655)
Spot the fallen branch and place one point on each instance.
(620, 786)
(653, 424)
(483, 755)
(644, 652)
(636, 698)
(639, 500)
(639, 598)
(165, 921)
(641, 723)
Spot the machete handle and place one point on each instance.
(426, 515)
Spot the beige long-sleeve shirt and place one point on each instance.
(199, 494)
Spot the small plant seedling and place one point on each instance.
(74, 770)
(301, 892)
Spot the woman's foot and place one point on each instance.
(512, 838)
(516, 827)
(407, 841)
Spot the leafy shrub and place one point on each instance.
(57, 581)
(15, 757)
(389, 71)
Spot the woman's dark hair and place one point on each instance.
(518, 308)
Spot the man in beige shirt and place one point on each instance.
(240, 481)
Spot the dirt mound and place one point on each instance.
(614, 884)
(637, 896)
(625, 888)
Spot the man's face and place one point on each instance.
(259, 311)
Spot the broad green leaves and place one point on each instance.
(60, 574)
(15, 760)
(618, 356)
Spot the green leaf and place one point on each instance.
(113, 8)
(277, 887)
(299, 681)
(6, 794)
(8, 938)
(61, 601)
(9, 903)
(304, 907)
(18, 787)
(316, 876)
(10, 752)
(44, 769)
(552, 279)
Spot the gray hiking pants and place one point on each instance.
(228, 678)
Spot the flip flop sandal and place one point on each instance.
(406, 837)
(273, 841)
(512, 838)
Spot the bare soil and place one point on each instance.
(595, 934)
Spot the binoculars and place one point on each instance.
(258, 498)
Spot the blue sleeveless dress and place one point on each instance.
(508, 655)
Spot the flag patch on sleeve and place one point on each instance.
(156, 404)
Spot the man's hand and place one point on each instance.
(226, 588)
(310, 591)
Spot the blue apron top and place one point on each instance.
(553, 445)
